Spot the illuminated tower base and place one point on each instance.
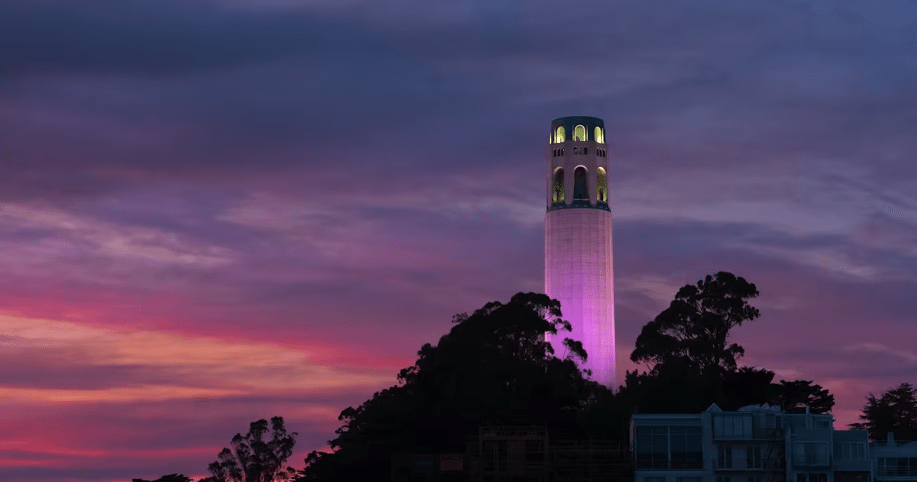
(578, 249)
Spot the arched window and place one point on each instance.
(560, 135)
(579, 133)
(602, 185)
(599, 135)
(579, 184)
(557, 195)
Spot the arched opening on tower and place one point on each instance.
(599, 135)
(579, 133)
(560, 135)
(557, 195)
(580, 192)
(601, 185)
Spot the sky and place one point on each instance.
(215, 212)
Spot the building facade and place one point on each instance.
(894, 460)
(754, 444)
(578, 249)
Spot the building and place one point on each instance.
(753, 444)
(578, 252)
(520, 453)
(533, 454)
(894, 460)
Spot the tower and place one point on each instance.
(578, 256)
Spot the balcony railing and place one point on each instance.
(759, 433)
(669, 464)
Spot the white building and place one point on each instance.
(753, 444)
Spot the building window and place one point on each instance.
(754, 458)
(580, 193)
(689, 479)
(654, 479)
(732, 426)
(534, 451)
(685, 447)
(723, 479)
(559, 135)
(557, 194)
(898, 466)
(601, 185)
(811, 453)
(853, 451)
(756, 478)
(811, 477)
(651, 447)
(579, 133)
(724, 457)
(599, 135)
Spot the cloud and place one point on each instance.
(176, 366)
(60, 235)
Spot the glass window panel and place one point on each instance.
(579, 133)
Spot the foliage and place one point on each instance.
(167, 478)
(745, 386)
(795, 396)
(895, 411)
(254, 459)
(493, 367)
(694, 366)
(686, 347)
(693, 330)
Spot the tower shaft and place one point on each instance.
(578, 240)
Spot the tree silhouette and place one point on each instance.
(795, 396)
(167, 478)
(252, 458)
(895, 411)
(493, 367)
(691, 364)
(693, 330)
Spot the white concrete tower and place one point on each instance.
(578, 256)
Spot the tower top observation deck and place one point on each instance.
(577, 128)
(577, 119)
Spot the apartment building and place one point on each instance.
(894, 460)
(753, 444)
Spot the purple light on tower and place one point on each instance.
(578, 255)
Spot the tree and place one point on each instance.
(493, 367)
(795, 396)
(745, 386)
(167, 478)
(693, 330)
(252, 459)
(895, 411)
